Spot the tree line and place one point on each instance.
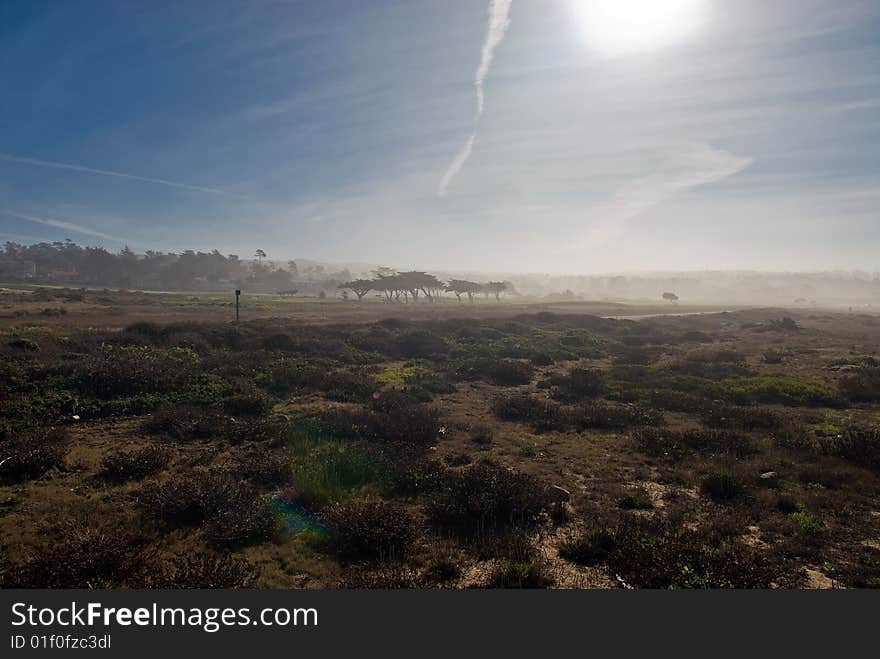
(413, 285)
(67, 262)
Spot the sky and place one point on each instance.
(559, 136)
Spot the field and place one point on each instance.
(149, 441)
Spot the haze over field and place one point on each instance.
(558, 136)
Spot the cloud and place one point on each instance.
(105, 172)
(694, 165)
(499, 21)
(68, 226)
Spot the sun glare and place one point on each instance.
(617, 27)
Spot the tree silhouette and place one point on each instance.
(360, 287)
(260, 254)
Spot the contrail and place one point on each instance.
(499, 21)
(457, 164)
(61, 224)
(105, 172)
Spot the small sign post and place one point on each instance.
(237, 296)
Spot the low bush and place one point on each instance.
(722, 486)
(78, 554)
(30, 453)
(860, 446)
(204, 570)
(369, 530)
(637, 500)
(780, 390)
(658, 553)
(540, 413)
(125, 466)
(589, 548)
(863, 386)
(676, 444)
(186, 423)
(487, 498)
(194, 498)
(520, 574)
(245, 520)
(577, 384)
(264, 469)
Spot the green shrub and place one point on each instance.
(778, 389)
(578, 384)
(863, 386)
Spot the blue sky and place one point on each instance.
(716, 135)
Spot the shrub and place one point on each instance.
(860, 446)
(589, 548)
(542, 414)
(510, 372)
(202, 570)
(31, 453)
(420, 343)
(676, 444)
(133, 465)
(805, 522)
(119, 371)
(520, 574)
(863, 386)
(78, 554)
(578, 384)
(722, 486)
(347, 387)
(264, 469)
(607, 416)
(487, 498)
(192, 499)
(778, 389)
(393, 417)
(246, 520)
(247, 400)
(658, 554)
(638, 500)
(23, 343)
(185, 423)
(369, 530)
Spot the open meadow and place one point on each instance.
(150, 441)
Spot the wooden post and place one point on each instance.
(237, 296)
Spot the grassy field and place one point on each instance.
(148, 441)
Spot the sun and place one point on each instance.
(617, 27)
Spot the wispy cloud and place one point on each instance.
(104, 172)
(499, 21)
(693, 166)
(67, 226)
